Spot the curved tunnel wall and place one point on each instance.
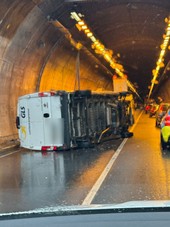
(32, 60)
(164, 91)
(60, 71)
(35, 56)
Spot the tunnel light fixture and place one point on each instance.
(84, 27)
(160, 61)
(78, 45)
(87, 31)
(81, 22)
(100, 49)
(89, 34)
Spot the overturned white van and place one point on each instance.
(63, 120)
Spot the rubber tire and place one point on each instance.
(156, 124)
(84, 144)
(83, 93)
(163, 143)
(132, 120)
(126, 134)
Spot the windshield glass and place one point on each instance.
(81, 85)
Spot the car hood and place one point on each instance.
(95, 208)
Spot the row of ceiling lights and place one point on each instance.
(100, 49)
(160, 61)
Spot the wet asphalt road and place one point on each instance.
(142, 171)
(30, 180)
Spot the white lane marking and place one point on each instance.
(90, 196)
(9, 154)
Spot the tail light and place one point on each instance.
(49, 148)
(42, 94)
(46, 94)
(52, 93)
(161, 108)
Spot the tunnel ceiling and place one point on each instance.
(36, 55)
(131, 28)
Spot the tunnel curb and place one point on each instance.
(5, 147)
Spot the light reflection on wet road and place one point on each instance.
(30, 180)
(142, 171)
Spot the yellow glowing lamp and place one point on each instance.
(78, 27)
(110, 52)
(119, 66)
(79, 46)
(112, 65)
(93, 39)
(163, 46)
(154, 72)
(84, 27)
(98, 51)
(81, 22)
(166, 20)
(96, 42)
(162, 53)
(107, 57)
(93, 46)
(161, 65)
(86, 31)
(89, 34)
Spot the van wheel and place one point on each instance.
(84, 143)
(126, 134)
(83, 93)
(156, 124)
(131, 120)
(163, 144)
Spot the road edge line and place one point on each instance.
(90, 196)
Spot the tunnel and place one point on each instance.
(38, 48)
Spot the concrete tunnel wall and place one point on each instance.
(164, 91)
(35, 56)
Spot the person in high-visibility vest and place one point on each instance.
(166, 119)
(165, 127)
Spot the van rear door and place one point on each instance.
(35, 123)
(52, 121)
(22, 118)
